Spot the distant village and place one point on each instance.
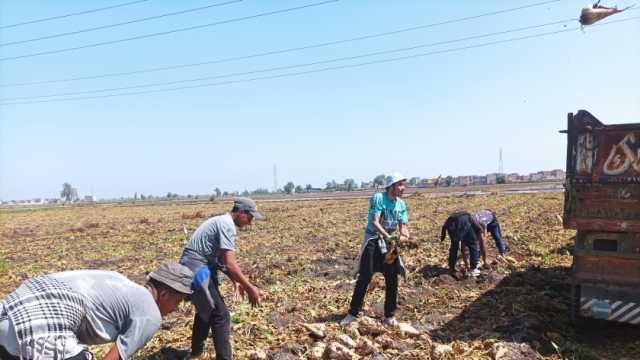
(348, 185)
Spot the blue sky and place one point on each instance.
(448, 113)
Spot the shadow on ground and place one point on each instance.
(530, 309)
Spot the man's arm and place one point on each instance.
(378, 227)
(113, 354)
(480, 230)
(404, 230)
(483, 248)
(228, 258)
(443, 233)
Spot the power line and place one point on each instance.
(280, 51)
(72, 14)
(288, 67)
(110, 42)
(292, 74)
(120, 24)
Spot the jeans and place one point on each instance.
(494, 228)
(372, 261)
(220, 325)
(471, 242)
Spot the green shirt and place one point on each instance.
(391, 213)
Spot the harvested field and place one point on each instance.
(302, 257)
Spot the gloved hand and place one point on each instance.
(201, 279)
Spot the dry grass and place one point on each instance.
(302, 256)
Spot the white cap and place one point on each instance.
(392, 179)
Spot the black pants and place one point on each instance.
(220, 325)
(372, 261)
(469, 240)
(82, 355)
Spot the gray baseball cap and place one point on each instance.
(246, 204)
(176, 276)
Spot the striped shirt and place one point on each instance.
(484, 218)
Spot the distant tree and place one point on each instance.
(363, 185)
(448, 181)
(378, 181)
(218, 192)
(212, 197)
(260, 191)
(245, 193)
(415, 181)
(289, 187)
(332, 185)
(438, 181)
(226, 193)
(135, 196)
(308, 187)
(501, 179)
(299, 189)
(349, 184)
(189, 196)
(142, 197)
(67, 192)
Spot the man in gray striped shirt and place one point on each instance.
(212, 248)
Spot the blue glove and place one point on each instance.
(201, 279)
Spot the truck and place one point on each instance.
(602, 202)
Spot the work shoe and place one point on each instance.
(391, 321)
(475, 272)
(347, 320)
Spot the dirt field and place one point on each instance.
(302, 257)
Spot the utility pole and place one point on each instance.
(275, 178)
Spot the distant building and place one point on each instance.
(539, 176)
(367, 185)
(89, 198)
(462, 181)
(513, 178)
(478, 180)
(558, 174)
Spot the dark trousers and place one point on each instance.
(82, 355)
(5, 355)
(220, 325)
(372, 261)
(494, 228)
(471, 242)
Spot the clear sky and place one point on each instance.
(446, 113)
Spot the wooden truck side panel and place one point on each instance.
(603, 175)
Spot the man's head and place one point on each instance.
(395, 184)
(172, 282)
(244, 211)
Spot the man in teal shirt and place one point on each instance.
(387, 213)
